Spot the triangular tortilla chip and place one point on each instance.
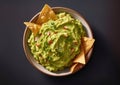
(75, 67)
(87, 43)
(72, 69)
(81, 57)
(46, 14)
(33, 27)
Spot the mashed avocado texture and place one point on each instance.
(57, 42)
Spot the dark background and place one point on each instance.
(104, 66)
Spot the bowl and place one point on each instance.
(29, 56)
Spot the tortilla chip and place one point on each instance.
(75, 67)
(72, 69)
(87, 43)
(46, 14)
(81, 57)
(33, 27)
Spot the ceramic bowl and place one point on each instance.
(29, 56)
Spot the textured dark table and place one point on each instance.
(104, 66)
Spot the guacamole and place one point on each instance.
(57, 42)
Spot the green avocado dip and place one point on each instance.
(57, 42)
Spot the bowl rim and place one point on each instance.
(90, 35)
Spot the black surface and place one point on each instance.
(104, 66)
